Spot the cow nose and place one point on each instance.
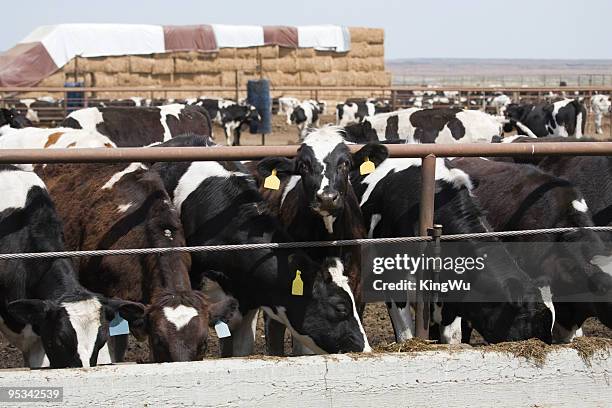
(327, 199)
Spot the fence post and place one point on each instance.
(436, 233)
(426, 215)
(393, 99)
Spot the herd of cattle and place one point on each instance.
(57, 311)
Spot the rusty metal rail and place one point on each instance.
(177, 154)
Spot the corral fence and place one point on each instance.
(526, 80)
(427, 152)
(471, 97)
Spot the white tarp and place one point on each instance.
(324, 38)
(65, 41)
(238, 36)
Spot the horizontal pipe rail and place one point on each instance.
(177, 154)
(293, 245)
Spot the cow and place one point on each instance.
(354, 112)
(562, 118)
(390, 209)
(590, 174)
(286, 104)
(522, 197)
(137, 126)
(12, 119)
(500, 102)
(125, 206)
(44, 311)
(229, 115)
(600, 104)
(219, 203)
(316, 200)
(33, 107)
(305, 116)
(416, 125)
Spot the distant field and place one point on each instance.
(500, 72)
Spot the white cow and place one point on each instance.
(600, 104)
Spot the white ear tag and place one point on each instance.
(222, 330)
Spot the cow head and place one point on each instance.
(252, 114)
(323, 163)
(324, 317)
(298, 116)
(177, 325)
(514, 113)
(74, 328)
(13, 118)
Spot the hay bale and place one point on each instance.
(228, 64)
(228, 78)
(246, 65)
(284, 52)
(56, 79)
(226, 53)
(246, 52)
(163, 64)
(104, 80)
(130, 79)
(269, 65)
(106, 64)
(286, 64)
(329, 79)
(367, 35)
(366, 64)
(372, 78)
(360, 50)
(309, 78)
(207, 65)
(305, 52)
(323, 64)
(69, 67)
(141, 65)
(245, 78)
(306, 65)
(340, 64)
(376, 50)
(268, 51)
(282, 79)
(197, 79)
(345, 78)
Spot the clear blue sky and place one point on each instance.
(427, 28)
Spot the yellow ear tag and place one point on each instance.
(297, 288)
(272, 182)
(366, 167)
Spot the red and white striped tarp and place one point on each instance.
(49, 48)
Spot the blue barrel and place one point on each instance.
(258, 95)
(74, 99)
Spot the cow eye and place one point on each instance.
(344, 165)
(304, 168)
(341, 309)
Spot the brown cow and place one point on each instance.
(119, 206)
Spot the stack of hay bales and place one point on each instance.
(362, 66)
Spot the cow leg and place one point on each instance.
(244, 336)
(275, 336)
(598, 117)
(228, 134)
(35, 356)
(402, 320)
(117, 346)
(298, 349)
(466, 331)
(451, 334)
(237, 138)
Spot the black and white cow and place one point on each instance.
(44, 311)
(316, 201)
(229, 115)
(562, 118)
(426, 126)
(122, 206)
(391, 210)
(354, 112)
(137, 127)
(600, 105)
(11, 118)
(219, 203)
(35, 107)
(305, 115)
(522, 197)
(286, 104)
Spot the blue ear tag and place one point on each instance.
(118, 326)
(222, 329)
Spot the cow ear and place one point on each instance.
(30, 311)
(225, 310)
(130, 311)
(375, 152)
(282, 165)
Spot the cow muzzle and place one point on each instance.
(328, 201)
